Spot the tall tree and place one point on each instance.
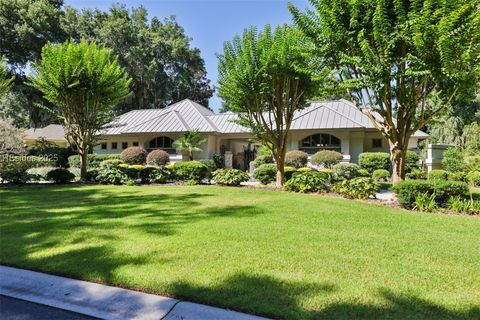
(85, 83)
(5, 79)
(156, 54)
(265, 78)
(391, 56)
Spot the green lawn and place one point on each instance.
(276, 254)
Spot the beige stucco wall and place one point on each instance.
(353, 142)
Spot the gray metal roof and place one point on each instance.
(187, 115)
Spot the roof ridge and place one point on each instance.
(307, 112)
(160, 115)
(339, 113)
(180, 118)
(214, 127)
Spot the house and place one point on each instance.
(332, 125)
(53, 133)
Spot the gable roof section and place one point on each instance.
(54, 132)
(188, 115)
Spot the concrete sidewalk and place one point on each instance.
(104, 302)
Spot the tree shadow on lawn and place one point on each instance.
(271, 297)
(79, 223)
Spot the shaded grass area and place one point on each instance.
(276, 254)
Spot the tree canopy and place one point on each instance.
(156, 54)
(392, 56)
(84, 83)
(265, 77)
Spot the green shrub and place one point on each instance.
(358, 188)
(144, 174)
(417, 174)
(364, 173)
(411, 161)
(346, 170)
(438, 174)
(230, 177)
(264, 159)
(210, 164)
(458, 204)
(288, 172)
(134, 155)
(58, 155)
(304, 169)
(453, 160)
(473, 178)
(93, 160)
(408, 190)
(326, 158)
(381, 175)
(191, 170)
(60, 175)
(133, 172)
(13, 169)
(296, 159)
(39, 173)
(472, 163)
(446, 189)
(266, 173)
(111, 175)
(92, 174)
(312, 181)
(219, 161)
(75, 171)
(110, 163)
(425, 202)
(158, 158)
(372, 161)
(457, 176)
(160, 175)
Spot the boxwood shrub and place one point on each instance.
(372, 161)
(313, 181)
(158, 158)
(60, 175)
(134, 155)
(381, 175)
(194, 171)
(438, 174)
(296, 159)
(230, 177)
(266, 173)
(326, 158)
(345, 171)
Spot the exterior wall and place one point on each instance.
(352, 143)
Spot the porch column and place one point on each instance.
(228, 159)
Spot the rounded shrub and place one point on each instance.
(266, 173)
(381, 175)
(473, 177)
(372, 161)
(313, 181)
(111, 175)
(326, 158)
(194, 171)
(158, 158)
(60, 175)
(230, 177)
(438, 174)
(346, 170)
(134, 155)
(417, 174)
(457, 176)
(363, 173)
(264, 159)
(39, 173)
(296, 159)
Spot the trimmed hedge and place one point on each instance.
(408, 190)
(93, 160)
(346, 170)
(326, 158)
(266, 173)
(158, 157)
(381, 175)
(438, 174)
(296, 159)
(230, 177)
(60, 175)
(194, 171)
(39, 173)
(134, 155)
(372, 161)
(313, 181)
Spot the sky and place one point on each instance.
(209, 22)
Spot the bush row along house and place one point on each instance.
(331, 125)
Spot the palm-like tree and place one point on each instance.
(190, 142)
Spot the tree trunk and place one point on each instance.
(82, 152)
(190, 156)
(397, 157)
(280, 171)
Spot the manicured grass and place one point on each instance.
(275, 254)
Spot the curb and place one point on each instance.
(104, 302)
